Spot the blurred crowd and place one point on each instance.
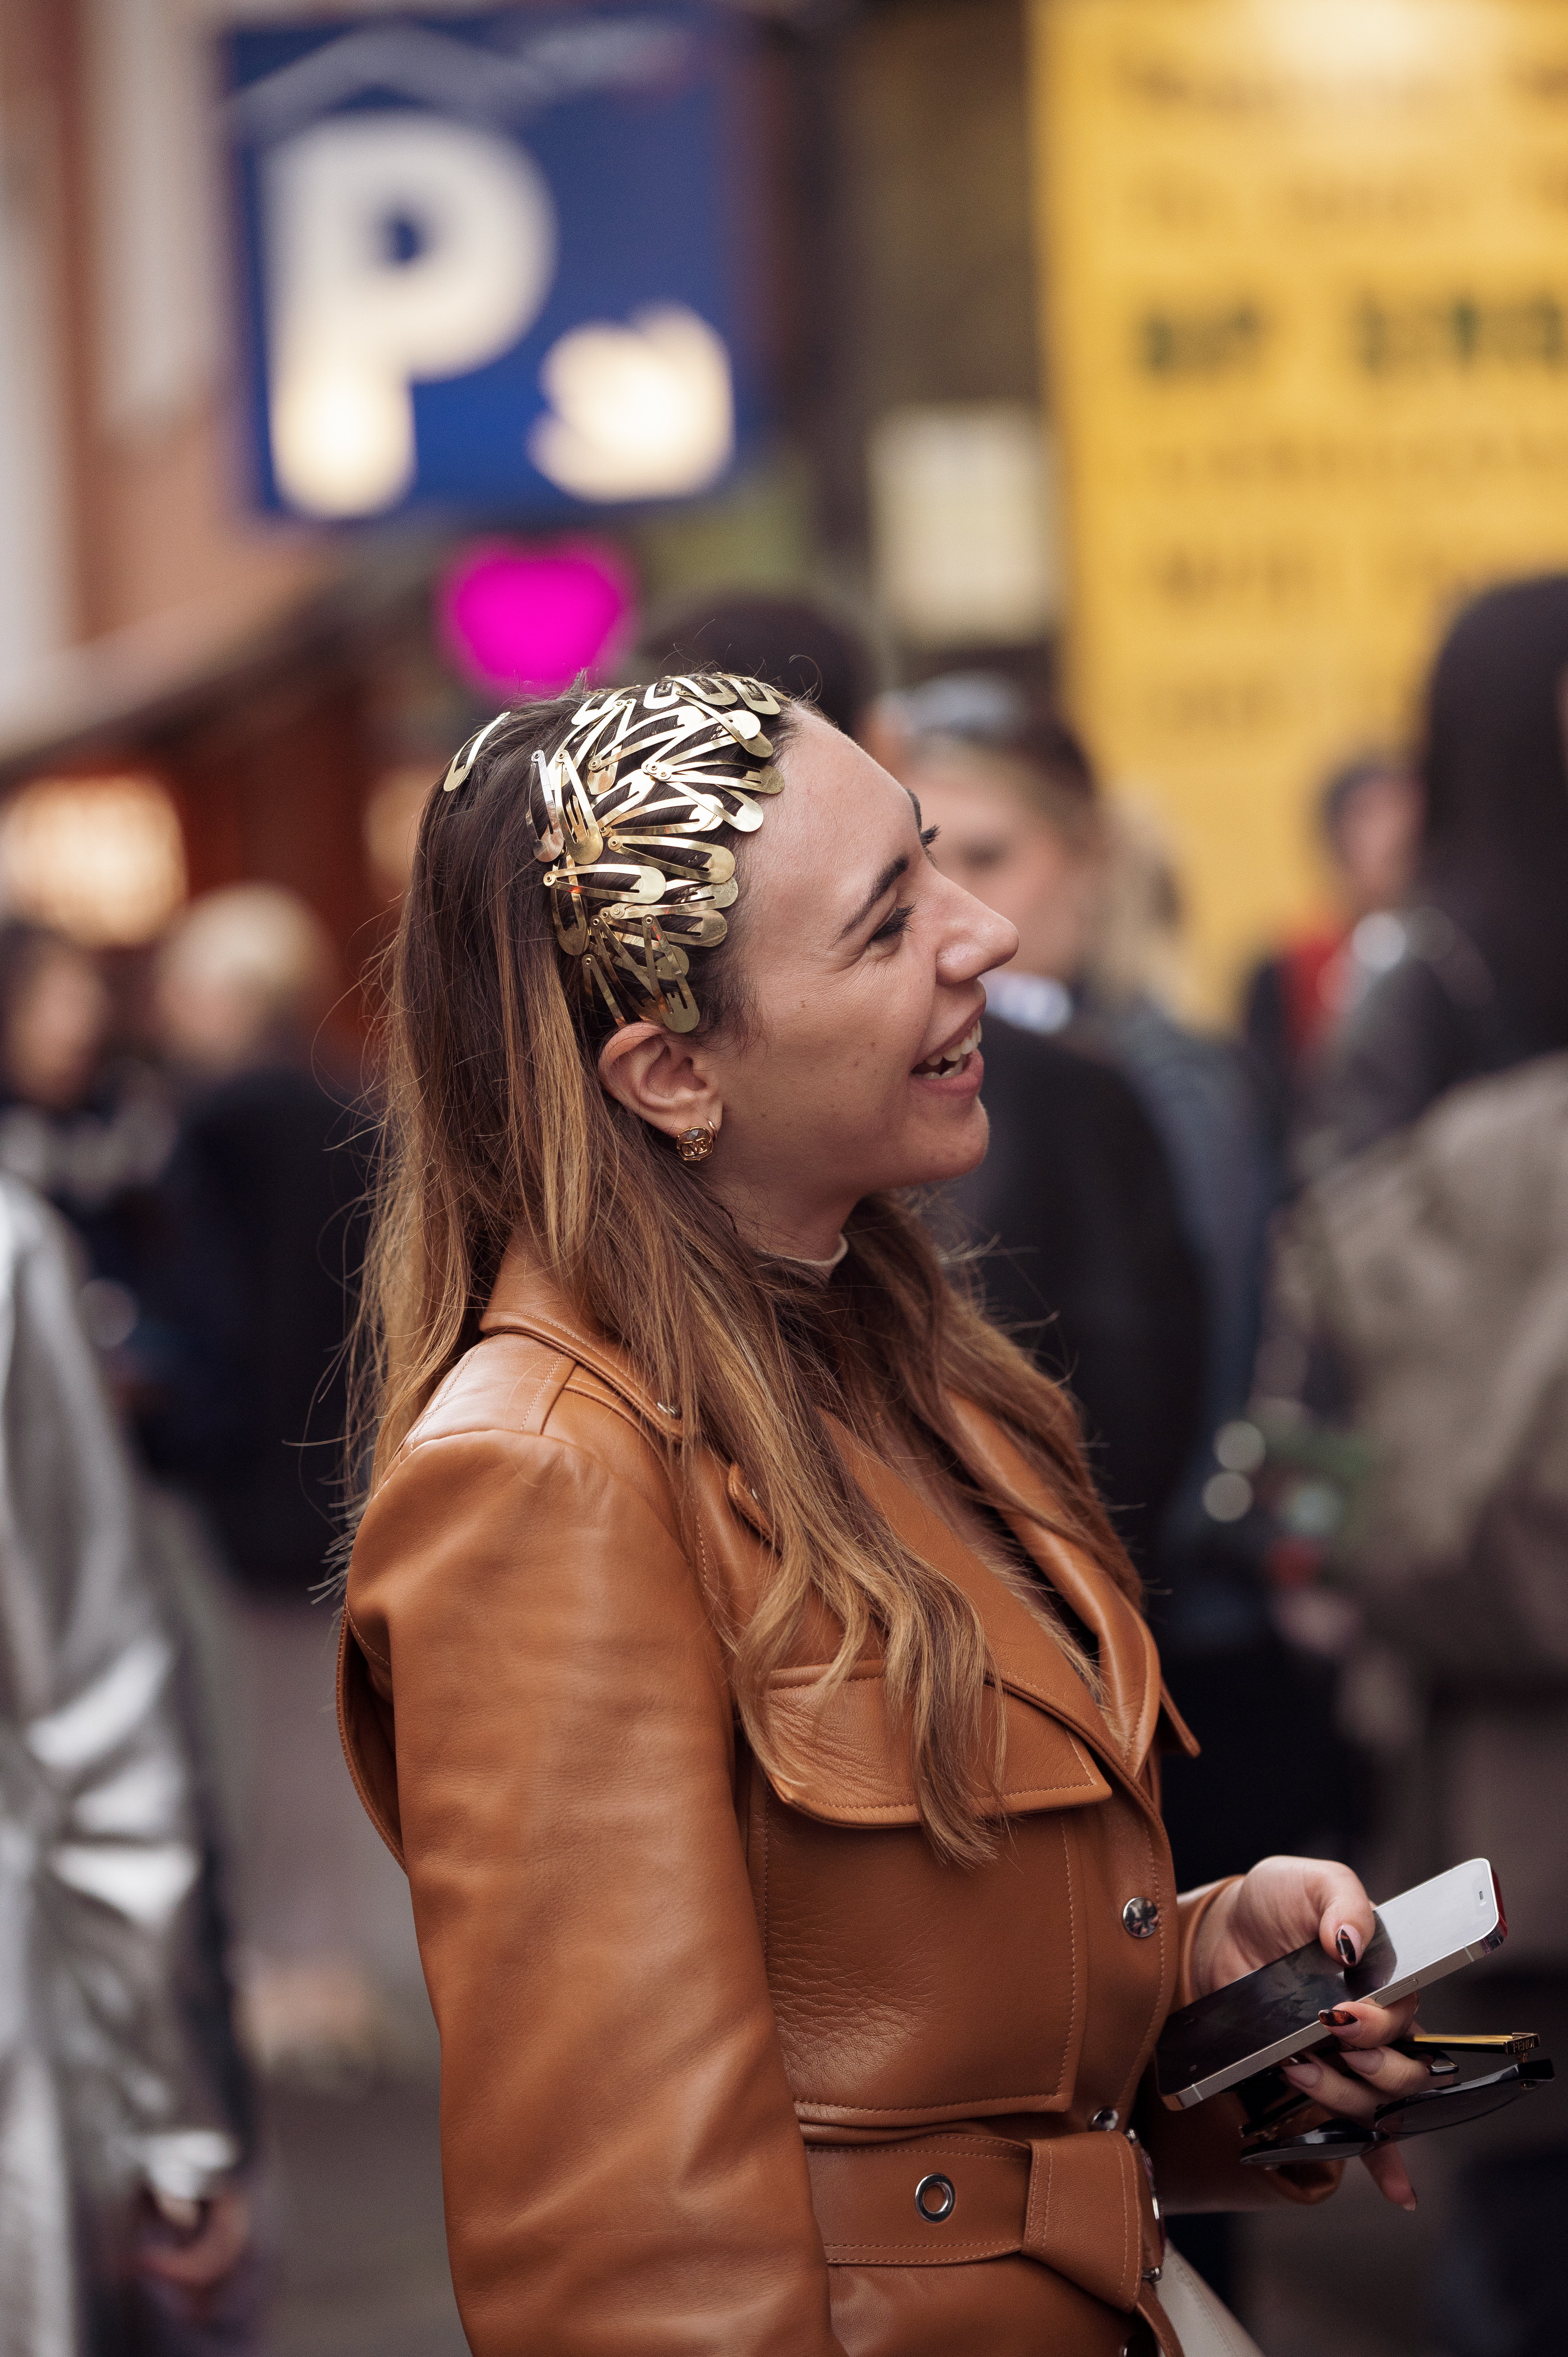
(1306, 1283)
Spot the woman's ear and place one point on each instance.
(657, 1077)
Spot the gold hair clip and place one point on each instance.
(464, 758)
(642, 777)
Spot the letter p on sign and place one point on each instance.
(400, 248)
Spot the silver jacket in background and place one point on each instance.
(117, 2067)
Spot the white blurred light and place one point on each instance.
(1240, 1446)
(1227, 1497)
(102, 858)
(1380, 941)
(1314, 1509)
(353, 326)
(639, 412)
(964, 524)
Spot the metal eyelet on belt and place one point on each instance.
(1106, 2119)
(1139, 1917)
(935, 2198)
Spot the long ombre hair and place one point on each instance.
(496, 1124)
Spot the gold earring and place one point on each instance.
(696, 1144)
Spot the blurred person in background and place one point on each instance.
(252, 1299)
(1369, 822)
(257, 1209)
(90, 1127)
(792, 642)
(1022, 824)
(1090, 1262)
(1422, 1318)
(125, 2111)
(1474, 978)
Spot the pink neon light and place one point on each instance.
(525, 621)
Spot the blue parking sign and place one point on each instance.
(491, 262)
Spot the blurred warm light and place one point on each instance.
(961, 522)
(391, 827)
(525, 621)
(356, 320)
(1331, 39)
(641, 411)
(101, 858)
(343, 437)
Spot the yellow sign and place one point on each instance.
(1305, 268)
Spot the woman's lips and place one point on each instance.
(951, 1060)
(957, 1071)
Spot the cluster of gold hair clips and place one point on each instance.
(630, 802)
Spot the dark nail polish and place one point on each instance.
(1345, 1941)
(1338, 2020)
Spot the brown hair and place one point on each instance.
(495, 1123)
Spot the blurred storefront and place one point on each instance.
(241, 437)
(1308, 318)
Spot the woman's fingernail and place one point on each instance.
(1368, 2060)
(1302, 2074)
(1338, 2020)
(1345, 1941)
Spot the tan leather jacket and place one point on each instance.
(704, 2041)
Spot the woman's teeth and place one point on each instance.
(954, 1057)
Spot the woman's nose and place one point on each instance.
(977, 939)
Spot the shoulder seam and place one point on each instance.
(508, 1433)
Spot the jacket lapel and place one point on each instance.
(1128, 1662)
(1024, 1657)
(1026, 1661)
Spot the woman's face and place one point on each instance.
(995, 845)
(863, 964)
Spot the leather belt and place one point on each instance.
(1081, 2203)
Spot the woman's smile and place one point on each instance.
(957, 1069)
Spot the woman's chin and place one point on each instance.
(949, 1149)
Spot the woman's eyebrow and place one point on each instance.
(882, 886)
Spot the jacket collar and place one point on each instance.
(526, 1300)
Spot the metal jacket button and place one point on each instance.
(935, 2198)
(1139, 1917)
(1106, 2120)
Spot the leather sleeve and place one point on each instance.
(1195, 2153)
(623, 2169)
(1192, 1907)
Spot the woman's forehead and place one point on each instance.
(838, 821)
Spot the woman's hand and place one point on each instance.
(1280, 1905)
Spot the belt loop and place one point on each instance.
(1088, 2215)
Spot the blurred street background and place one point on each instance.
(1144, 424)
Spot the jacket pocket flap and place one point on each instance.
(845, 1755)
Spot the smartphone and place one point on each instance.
(1270, 2015)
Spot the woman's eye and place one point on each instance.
(929, 835)
(891, 927)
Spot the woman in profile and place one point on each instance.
(735, 1652)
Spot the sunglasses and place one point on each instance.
(1446, 2106)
